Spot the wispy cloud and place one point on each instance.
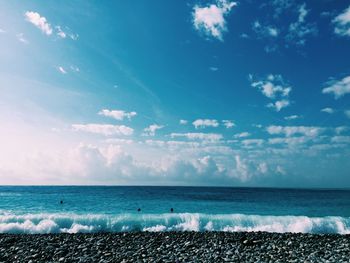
(292, 130)
(228, 123)
(198, 136)
(328, 110)
(242, 135)
(21, 38)
(60, 32)
(300, 29)
(338, 88)
(341, 129)
(61, 70)
(117, 114)
(210, 20)
(341, 139)
(263, 168)
(39, 21)
(292, 117)
(151, 130)
(252, 142)
(104, 129)
(264, 31)
(202, 123)
(280, 6)
(291, 141)
(183, 122)
(75, 68)
(342, 23)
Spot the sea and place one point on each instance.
(91, 209)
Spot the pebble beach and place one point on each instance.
(175, 247)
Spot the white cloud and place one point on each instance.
(228, 124)
(264, 31)
(347, 113)
(291, 141)
(280, 170)
(39, 21)
(151, 130)
(338, 88)
(299, 30)
(342, 23)
(210, 20)
(263, 168)
(198, 136)
(279, 105)
(119, 141)
(242, 135)
(328, 110)
(273, 87)
(60, 32)
(62, 70)
(183, 122)
(291, 130)
(45, 27)
(255, 142)
(104, 129)
(202, 123)
(117, 114)
(292, 117)
(242, 168)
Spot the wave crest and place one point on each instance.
(89, 223)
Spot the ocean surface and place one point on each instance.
(38, 209)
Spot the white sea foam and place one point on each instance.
(75, 223)
(157, 228)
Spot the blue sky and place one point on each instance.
(222, 92)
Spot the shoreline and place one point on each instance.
(175, 247)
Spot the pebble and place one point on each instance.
(175, 247)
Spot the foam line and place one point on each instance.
(89, 223)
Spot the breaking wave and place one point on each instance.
(90, 223)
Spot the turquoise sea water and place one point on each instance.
(38, 209)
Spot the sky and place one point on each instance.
(203, 93)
